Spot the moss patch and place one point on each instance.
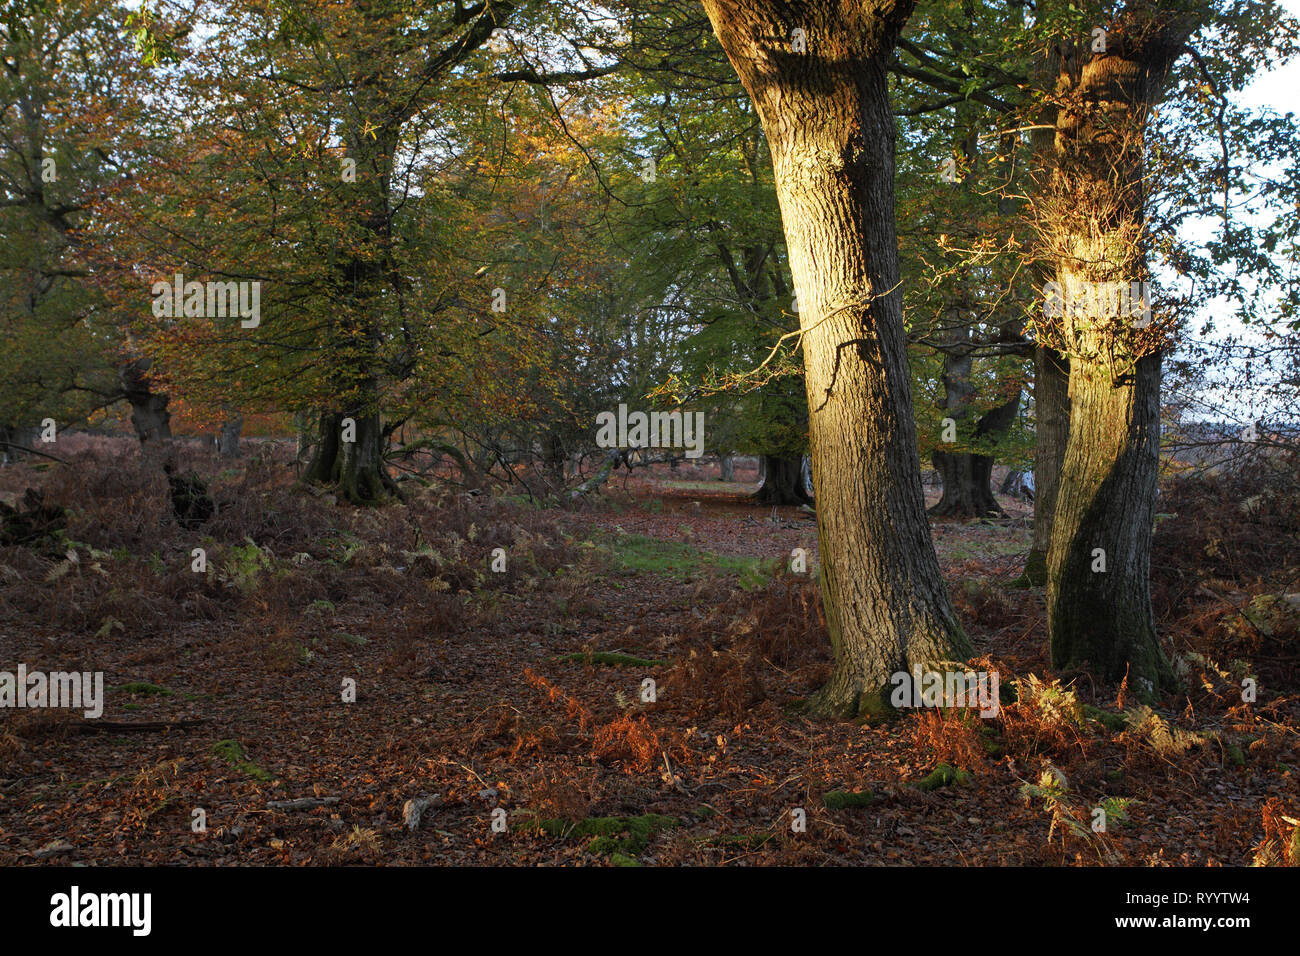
(843, 799)
(1115, 722)
(944, 775)
(623, 837)
(232, 752)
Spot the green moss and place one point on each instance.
(612, 658)
(621, 836)
(232, 752)
(1035, 573)
(1114, 722)
(842, 799)
(873, 708)
(943, 775)
(618, 859)
(142, 687)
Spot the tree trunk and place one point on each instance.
(553, 457)
(1098, 596)
(228, 438)
(1098, 587)
(828, 122)
(355, 467)
(149, 414)
(782, 481)
(967, 489)
(17, 441)
(727, 468)
(1051, 430)
(966, 476)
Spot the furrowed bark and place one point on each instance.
(827, 117)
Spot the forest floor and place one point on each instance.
(516, 696)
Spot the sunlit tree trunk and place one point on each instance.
(1098, 589)
(825, 108)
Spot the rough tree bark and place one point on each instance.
(1098, 588)
(827, 117)
(356, 467)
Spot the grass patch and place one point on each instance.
(699, 485)
(637, 553)
(979, 543)
(232, 752)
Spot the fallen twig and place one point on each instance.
(302, 803)
(138, 726)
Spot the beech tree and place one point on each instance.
(69, 88)
(298, 169)
(817, 72)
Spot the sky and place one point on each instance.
(1279, 88)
